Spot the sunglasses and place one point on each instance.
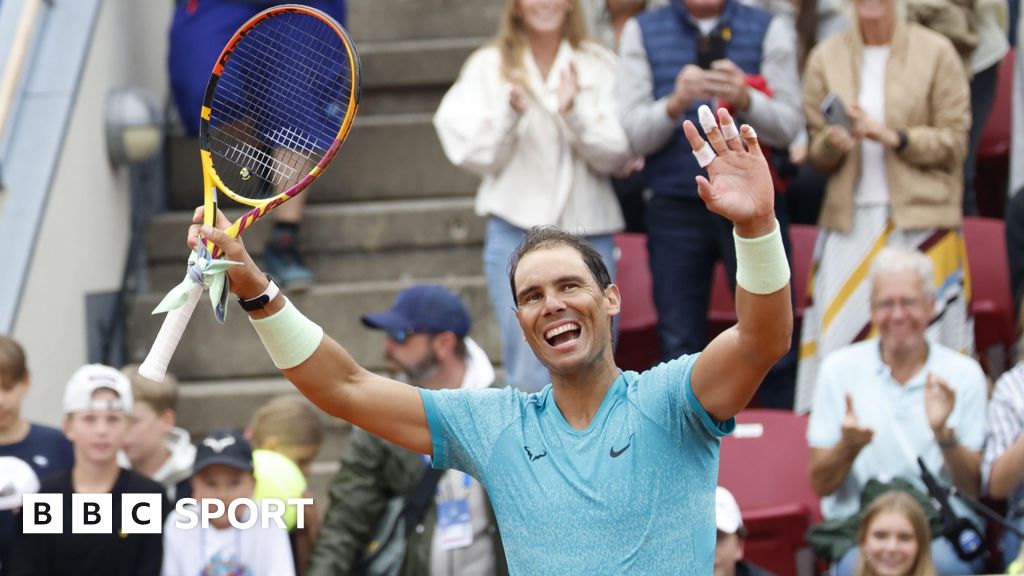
(403, 335)
(400, 336)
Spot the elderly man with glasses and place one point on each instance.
(882, 403)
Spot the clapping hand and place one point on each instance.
(855, 435)
(568, 87)
(939, 399)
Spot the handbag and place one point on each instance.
(385, 553)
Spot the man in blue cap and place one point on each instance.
(428, 346)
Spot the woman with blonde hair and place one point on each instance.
(533, 114)
(894, 538)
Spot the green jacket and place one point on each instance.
(372, 472)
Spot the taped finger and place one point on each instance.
(707, 119)
(729, 131)
(705, 155)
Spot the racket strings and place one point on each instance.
(279, 104)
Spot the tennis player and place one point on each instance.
(602, 471)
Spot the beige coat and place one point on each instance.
(927, 95)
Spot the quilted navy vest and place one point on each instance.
(670, 39)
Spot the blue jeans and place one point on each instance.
(1009, 543)
(522, 369)
(943, 556)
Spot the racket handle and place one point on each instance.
(155, 365)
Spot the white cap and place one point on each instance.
(727, 512)
(16, 479)
(91, 377)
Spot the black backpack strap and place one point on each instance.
(417, 501)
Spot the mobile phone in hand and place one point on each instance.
(834, 111)
(710, 48)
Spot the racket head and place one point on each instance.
(279, 104)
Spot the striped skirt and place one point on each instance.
(839, 311)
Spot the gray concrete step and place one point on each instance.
(357, 242)
(209, 351)
(410, 76)
(382, 20)
(334, 228)
(385, 157)
(332, 268)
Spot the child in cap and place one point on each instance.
(223, 471)
(43, 449)
(155, 447)
(97, 407)
(731, 536)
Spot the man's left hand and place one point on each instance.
(727, 81)
(740, 187)
(939, 400)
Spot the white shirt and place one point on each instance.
(873, 186)
(897, 415)
(539, 167)
(256, 551)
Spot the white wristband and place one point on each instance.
(288, 336)
(761, 265)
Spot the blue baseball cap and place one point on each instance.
(425, 308)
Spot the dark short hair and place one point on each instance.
(543, 237)
(13, 367)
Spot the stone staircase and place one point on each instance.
(390, 211)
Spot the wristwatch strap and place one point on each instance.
(262, 300)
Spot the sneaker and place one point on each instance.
(287, 268)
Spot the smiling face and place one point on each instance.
(890, 544)
(900, 310)
(565, 316)
(543, 16)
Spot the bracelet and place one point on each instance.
(288, 336)
(761, 264)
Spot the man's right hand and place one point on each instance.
(246, 281)
(690, 87)
(855, 436)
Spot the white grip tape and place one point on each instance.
(707, 118)
(155, 365)
(729, 131)
(288, 336)
(761, 265)
(705, 155)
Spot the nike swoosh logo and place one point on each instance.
(616, 453)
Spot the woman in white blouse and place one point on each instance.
(533, 113)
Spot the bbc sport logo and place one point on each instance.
(143, 513)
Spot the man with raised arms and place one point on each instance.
(602, 471)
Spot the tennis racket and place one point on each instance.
(279, 105)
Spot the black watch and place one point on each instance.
(903, 140)
(262, 300)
